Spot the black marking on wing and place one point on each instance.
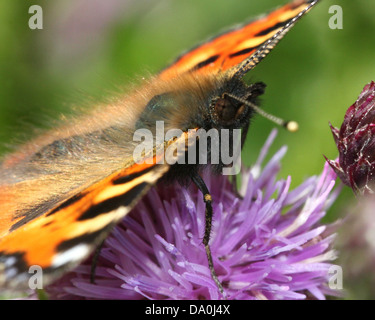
(67, 203)
(205, 62)
(242, 52)
(125, 179)
(88, 238)
(32, 213)
(113, 203)
(274, 27)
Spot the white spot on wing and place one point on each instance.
(10, 261)
(76, 253)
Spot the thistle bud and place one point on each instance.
(356, 144)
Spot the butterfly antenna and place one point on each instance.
(291, 126)
(266, 48)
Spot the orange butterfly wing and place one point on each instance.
(67, 234)
(231, 48)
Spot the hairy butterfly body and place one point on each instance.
(61, 194)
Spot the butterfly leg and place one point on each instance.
(197, 179)
(94, 262)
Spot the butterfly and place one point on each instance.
(62, 193)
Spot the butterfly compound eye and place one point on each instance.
(225, 110)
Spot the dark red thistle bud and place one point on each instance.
(356, 144)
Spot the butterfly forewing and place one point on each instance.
(66, 234)
(232, 47)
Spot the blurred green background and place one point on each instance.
(90, 48)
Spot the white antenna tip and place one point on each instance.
(292, 126)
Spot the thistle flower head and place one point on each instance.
(270, 244)
(356, 144)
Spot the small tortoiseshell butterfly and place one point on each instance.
(61, 194)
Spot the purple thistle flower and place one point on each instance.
(269, 245)
(356, 141)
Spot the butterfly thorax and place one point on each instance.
(207, 104)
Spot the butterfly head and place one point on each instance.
(232, 108)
